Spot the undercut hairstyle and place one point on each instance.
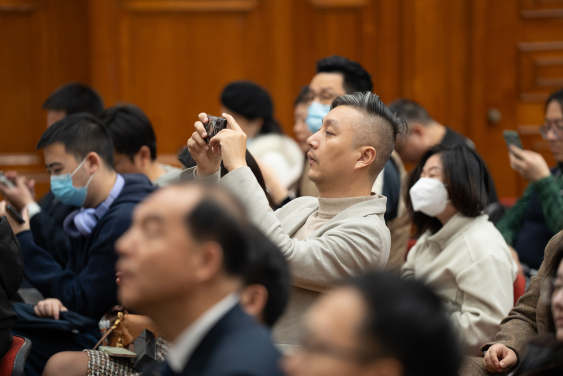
(467, 182)
(406, 320)
(555, 96)
(74, 98)
(130, 129)
(220, 218)
(356, 78)
(304, 96)
(267, 267)
(80, 134)
(411, 111)
(379, 130)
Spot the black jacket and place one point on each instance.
(11, 276)
(235, 346)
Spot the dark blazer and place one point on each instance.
(235, 346)
(86, 285)
(11, 276)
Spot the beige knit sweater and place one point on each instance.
(469, 265)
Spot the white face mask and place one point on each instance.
(429, 196)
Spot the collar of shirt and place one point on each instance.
(185, 344)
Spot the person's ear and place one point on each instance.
(417, 130)
(366, 157)
(387, 367)
(208, 261)
(144, 156)
(92, 162)
(253, 299)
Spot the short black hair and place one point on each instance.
(130, 129)
(406, 320)
(220, 218)
(80, 134)
(356, 78)
(555, 96)
(304, 96)
(411, 111)
(267, 266)
(381, 132)
(74, 98)
(466, 179)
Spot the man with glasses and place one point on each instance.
(376, 324)
(538, 215)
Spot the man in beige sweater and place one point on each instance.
(337, 235)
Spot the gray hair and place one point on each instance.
(379, 131)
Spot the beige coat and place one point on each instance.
(469, 265)
(354, 241)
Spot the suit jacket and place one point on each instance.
(529, 317)
(236, 345)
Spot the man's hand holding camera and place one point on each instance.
(228, 145)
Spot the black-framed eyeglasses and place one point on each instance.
(339, 352)
(556, 126)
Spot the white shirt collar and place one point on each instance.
(185, 344)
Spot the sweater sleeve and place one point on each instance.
(521, 322)
(89, 291)
(487, 297)
(407, 270)
(551, 202)
(351, 247)
(512, 220)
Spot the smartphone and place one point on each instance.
(118, 352)
(4, 180)
(512, 138)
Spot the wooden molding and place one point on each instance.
(19, 159)
(542, 13)
(333, 4)
(18, 5)
(190, 5)
(541, 46)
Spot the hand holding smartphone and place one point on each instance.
(512, 138)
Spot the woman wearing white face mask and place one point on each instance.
(460, 254)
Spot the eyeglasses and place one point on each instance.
(556, 126)
(338, 352)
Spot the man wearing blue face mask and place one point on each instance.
(79, 157)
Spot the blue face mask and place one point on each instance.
(315, 114)
(65, 192)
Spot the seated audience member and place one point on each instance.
(79, 157)
(302, 133)
(339, 234)
(183, 262)
(134, 145)
(47, 215)
(336, 75)
(544, 356)
(530, 316)
(460, 254)
(424, 133)
(265, 294)
(11, 276)
(377, 324)
(253, 110)
(538, 214)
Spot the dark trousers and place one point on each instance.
(5, 341)
(46, 343)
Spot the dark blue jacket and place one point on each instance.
(87, 284)
(235, 346)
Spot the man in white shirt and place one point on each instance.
(182, 263)
(337, 235)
